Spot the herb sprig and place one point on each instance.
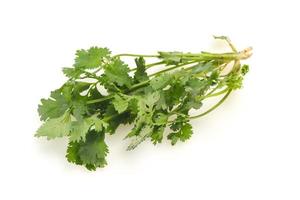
(82, 112)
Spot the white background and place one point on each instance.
(247, 149)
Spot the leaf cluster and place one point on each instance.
(152, 104)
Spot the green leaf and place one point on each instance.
(93, 151)
(56, 127)
(196, 86)
(100, 124)
(140, 74)
(204, 67)
(171, 58)
(157, 134)
(91, 58)
(234, 81)
(151, 99)
(186, 132)
(245, 69)
(72, 72)
(139, 125)
(191, 101)
(179, 122)
(79, 87)
(79, 108)
(145, 133)
(53, 107)
(162, 102)
(213, 78)
(183, 134)
(119, 103)
(117, 119)
(79, 129)
(72, 153)
(161, 81)
(160, 118)
(117, 72)
(145, 104)
(175, 93)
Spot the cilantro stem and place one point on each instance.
(135, 55)
(171, 68)
(149, 65)
(213, 107)
(228, 42)
(100, 99)
(216, 94)
(203, 55)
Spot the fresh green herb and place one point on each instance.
(80, 111)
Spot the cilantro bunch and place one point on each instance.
(86, 113)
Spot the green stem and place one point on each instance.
(100, 99)
(246, 53)
(171, 68)
(199, 56)
(149, 65)
(228, 42)
(213, 107)
(216, 94)
(135, 55)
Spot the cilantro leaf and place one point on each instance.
(160, 118)
(80, 128)
(160, 81)
(139, 125)
(93, 151)
(183, 134)
(91, 58)
(100, 124)
(196, 86)
(204, 67)
(117, 72)
(72, 72)
(149, 100)
(245, 69)
(120, 104)
(53, 107)
(145, 133)
(171, 58)
(140, 74)
(157, 134)
(79, 108)
(73, 153)
(56, 127)
(234, 81)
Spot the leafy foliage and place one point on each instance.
(151, 103)
(56, 127)
(91, 58)
(91, 152)
(140, 74)
(117, 72)
(53, 107)
(184, 133)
